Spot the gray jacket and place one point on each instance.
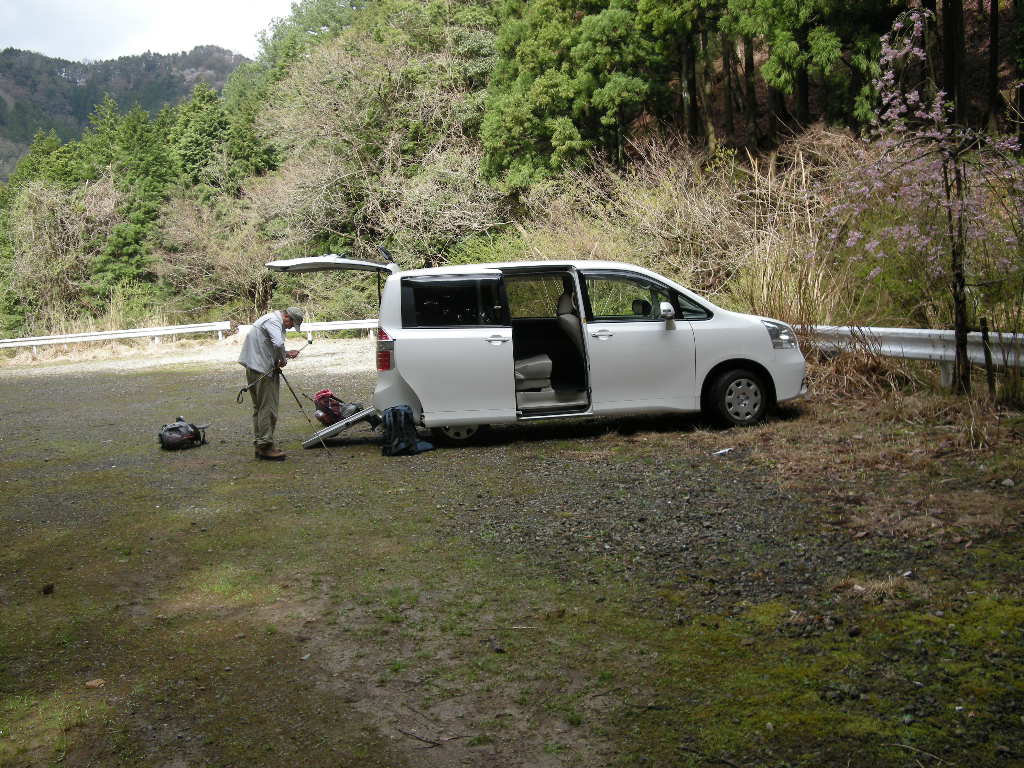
(263, 348)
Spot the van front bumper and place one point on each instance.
(790, 377)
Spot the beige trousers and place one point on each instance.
(265, 398)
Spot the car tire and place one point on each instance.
(738, 397)
(467, 434)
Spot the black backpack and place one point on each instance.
(181, 434)
(400, 436)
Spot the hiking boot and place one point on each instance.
(269, 453)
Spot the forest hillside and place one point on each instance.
(40, 93)
(821, 162)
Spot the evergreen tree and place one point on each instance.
(198, 134)
(143, 169)
(243, 96)
(567, 81)
(834, 42)
(310, 23)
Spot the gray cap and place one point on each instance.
(296, 314)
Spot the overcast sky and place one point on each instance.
(106, 29)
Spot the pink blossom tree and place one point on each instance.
(935, 194)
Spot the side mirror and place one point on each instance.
(667, 312)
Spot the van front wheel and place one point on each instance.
(739, 398)
(462, 435)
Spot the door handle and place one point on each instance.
(497, 340)
(602, 334)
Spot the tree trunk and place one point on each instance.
(688, 78)
(707, 89)
(750, 90)
(1018, 12)
(954, 191)
(803, 81)
(778, 114)
(953, 56)
(995, 100)
(727, 74)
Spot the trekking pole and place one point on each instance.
(247, 387)
(299, 403)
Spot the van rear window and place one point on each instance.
(442, 302)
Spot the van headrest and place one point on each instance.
(566, 304)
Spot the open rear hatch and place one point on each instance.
(327, 262)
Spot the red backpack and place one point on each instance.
(331, 409)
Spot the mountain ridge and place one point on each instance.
(43, 93)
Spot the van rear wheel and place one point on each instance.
(465, 434)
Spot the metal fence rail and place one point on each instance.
(338, 325)
(1007, 349)
(921, 344)
(308, 329)
(135, 333)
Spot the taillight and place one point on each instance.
(385, 351)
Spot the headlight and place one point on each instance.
(782, 336)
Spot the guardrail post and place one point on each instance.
(946, 371)
(990, 374)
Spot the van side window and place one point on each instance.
(620, 297)
(688, 309)
(534, 296)
(451, 301)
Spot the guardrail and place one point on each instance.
(308, 329)
(135, 333)
(1006, 349)
(337, 325)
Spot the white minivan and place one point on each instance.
(478, 344)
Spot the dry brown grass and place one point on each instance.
(877, 590)
(861, 372)
(56, 235)
(887, 459)
(746, 232)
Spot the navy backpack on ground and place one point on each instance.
(400, 438)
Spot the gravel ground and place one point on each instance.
(683, 516)
(719, 526)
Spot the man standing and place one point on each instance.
(263, 354)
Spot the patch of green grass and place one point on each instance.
(42, 726)
(756, 693)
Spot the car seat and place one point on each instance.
(569, 321)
